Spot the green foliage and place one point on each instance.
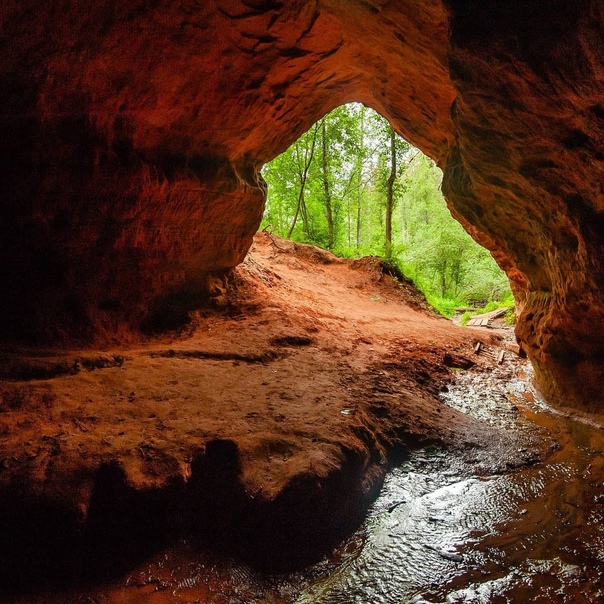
(330, 189)
(445, 306)
(433, 451)
(505, 301)
(510, 316)
(492, 305)
(465, 318)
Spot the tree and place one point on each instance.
(390, 194)
(326, 187)
(304, 154)
(359, 176)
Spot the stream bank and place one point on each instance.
(448, 527)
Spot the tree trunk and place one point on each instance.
(328, 208)
(390, 194)
(308, 156)
(360, 178)
(443, 279)
(305, 221)
(404, 208)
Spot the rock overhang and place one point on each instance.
(134, 137)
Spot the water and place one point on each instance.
(438, 533)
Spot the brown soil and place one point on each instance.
(270, 422)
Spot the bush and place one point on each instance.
(510, 317)
(491, 306)
(445, 306)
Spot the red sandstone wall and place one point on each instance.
(133, 134)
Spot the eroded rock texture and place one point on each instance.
(133, 134)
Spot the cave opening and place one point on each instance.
(133, 137)
(353, 186)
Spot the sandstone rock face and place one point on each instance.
(529, 171)
(133, 135)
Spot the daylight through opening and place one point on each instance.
(351, 185)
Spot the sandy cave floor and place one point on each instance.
(311, 358)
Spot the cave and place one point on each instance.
(133, 135)
(133, 139)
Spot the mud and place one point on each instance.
(265, 428)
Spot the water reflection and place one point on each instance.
(438, 534)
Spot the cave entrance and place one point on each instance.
(351, 185)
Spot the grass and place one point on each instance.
(445, 306)
(510, 316)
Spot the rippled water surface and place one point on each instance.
(438, 533)
(437, 536)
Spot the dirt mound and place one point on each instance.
(301, 250)
(378, 272)
(387, 273)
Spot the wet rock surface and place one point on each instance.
(451, 524)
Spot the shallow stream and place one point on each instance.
(438, 533)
